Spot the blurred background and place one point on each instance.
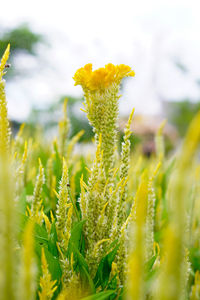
(50, 40)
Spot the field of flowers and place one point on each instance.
(112, 226)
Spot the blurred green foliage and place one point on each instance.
(181, 113)
(21, 39)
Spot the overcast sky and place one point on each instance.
(150, 36)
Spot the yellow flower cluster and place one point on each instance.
(101, 78)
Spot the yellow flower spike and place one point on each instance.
(101, 220)
(20, 132)
(28, 265)
(72, 143)
(124, 169)
(191, 142)
(63, 200)
(136, 270)
(72, 262)
(161, 128)
(156, 170)
(83, 184)
(52, 217)
(36, 202)
(48, 287)
(151, 213)
(115, 170)
(4, 61)
(101, 92)
(38, 217)
(98, 244)
(159, 141)
(4, 123)
(8, 231)
(53, 186)
(59, 250)
(64, 127)
(113, 203)
(20, 173)
(24, 158)
(105, 188)
(68, 225)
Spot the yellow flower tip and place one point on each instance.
(6, 54)
(4, 60)
(101, 78)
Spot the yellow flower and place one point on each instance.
(82, 75)
(101, 78)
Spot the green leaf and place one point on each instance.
(53, 262)
(195, 258)
(113, 283)
(54, 266)
(29, 188)
(22, 202)
(52, 240)
(149, 264)
(40, 234)
(100, 296)
(84, 270)
(104, 269)
(76, 237)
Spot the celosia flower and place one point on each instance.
(101, 91)
(101, 78)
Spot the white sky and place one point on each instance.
(147, 35)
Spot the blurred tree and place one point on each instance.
(22, 40)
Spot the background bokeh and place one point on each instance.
(51, 39)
